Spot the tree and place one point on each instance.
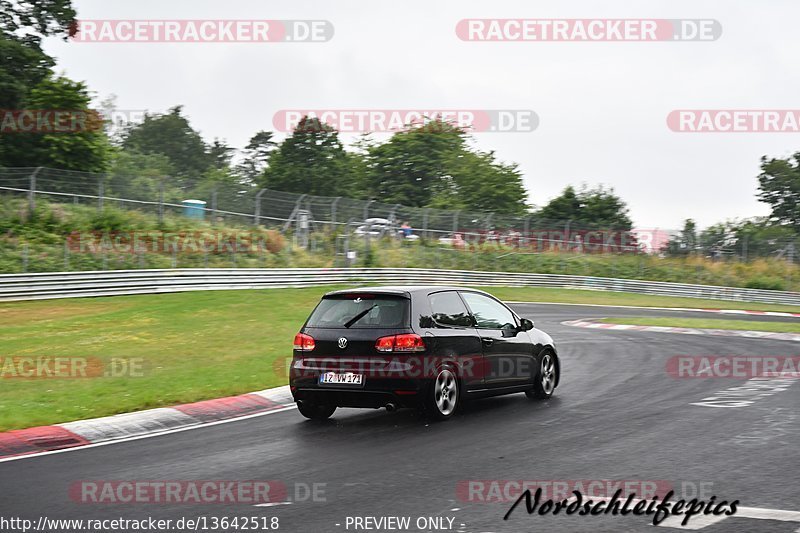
(566, 206)
(596, 208)
(23, 24)
(415, 165)
(22, 67)
(171, 135)
(779, 186)
(311, 160)
(431, 165)
(29, 20)
(256, 156)
(139, 176)
(477, 182)
(715, 238)
(220, 154)
(26, 68)
(86, 148)
(686, 242)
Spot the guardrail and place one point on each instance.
(14, 287)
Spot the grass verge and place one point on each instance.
(578, 296)
(703, 323)
(193, 345)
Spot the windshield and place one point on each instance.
(360, 311)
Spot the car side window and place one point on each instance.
(488, 313)
(449, 310)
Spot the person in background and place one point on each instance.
(406, 229)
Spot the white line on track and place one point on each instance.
(756, 513)
(768, 514)
(149, 435)
(695, 522)
(701, 521)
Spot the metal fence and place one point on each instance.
(123, 282)
(303, 214)
(244, 203)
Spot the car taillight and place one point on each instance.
(303, 342)
(385, 344)
(407, 342)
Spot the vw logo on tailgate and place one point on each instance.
(342, 343)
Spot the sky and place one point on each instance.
(602, 106)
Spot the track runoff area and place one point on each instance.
(646, 428)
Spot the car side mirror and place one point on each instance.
(525, 324)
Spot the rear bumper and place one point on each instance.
(399, 379)
(366, 398)
(374, 392)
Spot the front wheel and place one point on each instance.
(315, 411)
(544, 384)
(444, 396)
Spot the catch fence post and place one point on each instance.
(257, 214)
(32, 190)
(214, 207)
(333, 212)
(100, 193)
(526, 232)
(161, 201)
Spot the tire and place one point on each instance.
(544, 383)
(315, 411)
(443, 398)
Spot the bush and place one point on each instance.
(36, 242)
(766, 282)
(274, 241)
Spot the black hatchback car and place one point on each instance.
(425, 347)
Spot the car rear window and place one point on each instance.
(377, 310)
(449, 310)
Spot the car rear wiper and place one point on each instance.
(359, 316)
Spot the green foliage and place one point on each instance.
(245, 336)
(598, 207)
(109, 220)
(480, 183)
(415, 165)
(22, 67)
(779, 186)
(706, 323)
(756, 237)
(256, 155)
(766, 282)
(27, 82)
(41, 236)
(86, 150)
(311, 160)
(759, 237)
(30, 20)
(138, 176)
(431, 165)
(170, 135)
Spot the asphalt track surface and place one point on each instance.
(616, 415)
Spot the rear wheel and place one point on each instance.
(544, 384)
(444, 395)
(315, 411)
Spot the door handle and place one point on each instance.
(488, 342)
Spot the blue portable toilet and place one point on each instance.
(194, 209)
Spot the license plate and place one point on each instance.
(336, 378)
